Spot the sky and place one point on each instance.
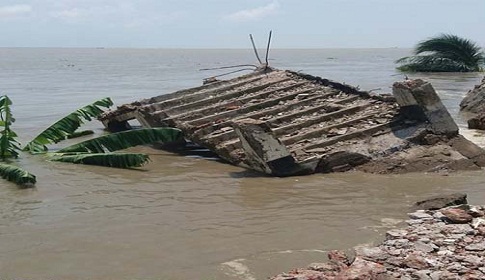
(227, 23)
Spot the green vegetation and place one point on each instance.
(8, 143)
(66, 126)
(109, 160)
(9, 147)
(17, 175)
(96, 151)
(444, 53)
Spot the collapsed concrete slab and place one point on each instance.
(286, 123)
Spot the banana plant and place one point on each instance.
(96, 151)
(67, 126)
(9, 147)
(99, 151)
(17, 175)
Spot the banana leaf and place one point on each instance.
(121, 160)
(80, 134)
(8, 144)
(126, 139)
(17, 175)
(67, 126)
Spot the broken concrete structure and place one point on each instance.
(286, 123)
(474, 101)
(474, 105)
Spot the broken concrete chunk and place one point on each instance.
(477, 122)
(419, 100)
(474, 101)
(265, 150)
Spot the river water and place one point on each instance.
(187, 217)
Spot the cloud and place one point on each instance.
(79, 14)
(254, 14)
(14, 11)
(123, 14)
(155, 19)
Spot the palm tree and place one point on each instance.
(444, 53)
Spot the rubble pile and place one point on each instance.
(444, 244)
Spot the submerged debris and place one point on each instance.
(285, 123)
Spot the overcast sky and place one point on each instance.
(227, 23)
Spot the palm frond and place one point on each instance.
(118, 160)
(17, 175)
(431, 63)
(126, 139)
(67, 126)
(444, 53)
(454, 48)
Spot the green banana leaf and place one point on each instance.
(121, 160)
(8, 144)
(80, 134)
(17, 175)
(67, 126)
(126, 139)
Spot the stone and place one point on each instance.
(416, 261)
(476, 247)
(442, 201)
(477, 122)
(481, 230)
(374, 254)
(414, 222)
(445, 253)
(419, 215)
(435, 275)
(338, 257)
(478, 222)
(422, 275)
(474, 99)
(423, 247)
(456, 267)
(457, 229)
(457, 215)
(438, 215)
(396, 233)
(474, 260)
(476, 212)
(324, 267)
(362, 270)
(446, 275)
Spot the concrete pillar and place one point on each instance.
(264, 151)
(418, 100)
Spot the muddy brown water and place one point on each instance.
(188, 217)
